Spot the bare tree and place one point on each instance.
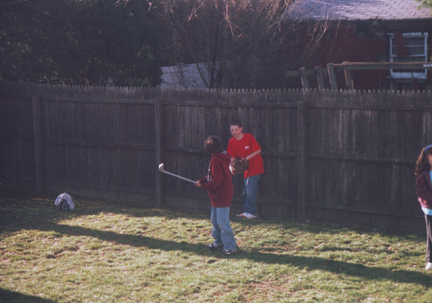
(238, 42)
(235, 43)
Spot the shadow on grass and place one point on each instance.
(12, 297)
(36, 207)
(308, 263)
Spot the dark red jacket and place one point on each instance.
(218, 181)
(424, 189)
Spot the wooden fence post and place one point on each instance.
(332, 76)
(304, 79)
(158, 112)
(320, 77)
(301, 158)
(37, 136)
(348, 79)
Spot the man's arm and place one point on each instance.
(252, 155)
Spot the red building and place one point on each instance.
(368, 31)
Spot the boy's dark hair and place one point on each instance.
(422, 163)
(213, 144)
(237, 122)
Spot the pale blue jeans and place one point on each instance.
(222, 231)
(250, 192)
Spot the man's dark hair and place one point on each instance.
(213, 144)
(237, 122)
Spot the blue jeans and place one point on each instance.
(222, 231)
(250, 191)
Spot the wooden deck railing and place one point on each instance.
(348, 67)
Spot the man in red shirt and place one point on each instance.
(245, 146)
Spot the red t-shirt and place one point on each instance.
(243, 148)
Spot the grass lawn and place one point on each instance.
(105, 252)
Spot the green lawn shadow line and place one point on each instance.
(308, 263)
(16, 201)
(12, 296)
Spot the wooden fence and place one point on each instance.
(332, 156)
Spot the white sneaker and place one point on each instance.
(249, 216)
(228, 252)
(241, 215)
(214, 244)
(428, 265)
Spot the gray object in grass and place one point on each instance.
(64, 202)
